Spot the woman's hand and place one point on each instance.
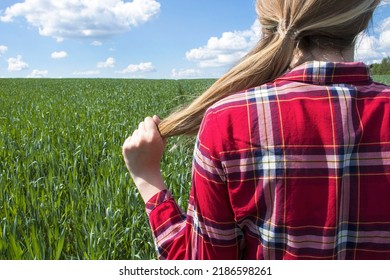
(142, 153)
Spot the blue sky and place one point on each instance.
(169, 39)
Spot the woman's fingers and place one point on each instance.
(156, 119)
(143, 150)
(149, 124)
(141, 126)
(147, 132)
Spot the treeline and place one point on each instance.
(382, 68)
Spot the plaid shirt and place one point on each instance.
(294, 169)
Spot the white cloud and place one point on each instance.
(187, 73)
(372, 48)
(3, 49)
(16, 64)
(82, 18)
(109, 63)
(227, 49)
(87, 73)
(384, 3)
(38, 73)
(144, 67)
(58, 55)
(96, 43)
(367, 48)
(384, 37)
(230, 47)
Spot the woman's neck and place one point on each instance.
(330, 55)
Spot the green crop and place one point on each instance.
(385, 79)
(65, 192)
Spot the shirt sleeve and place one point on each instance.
(208, 230)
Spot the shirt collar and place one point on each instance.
(323, 72)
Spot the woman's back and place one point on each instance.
(306, 161)
(298, 165)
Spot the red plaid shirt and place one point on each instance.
(294, 169)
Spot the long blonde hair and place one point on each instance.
(286, 24)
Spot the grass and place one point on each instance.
(385, 79)
(64, 190)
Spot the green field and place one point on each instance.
(385, 79)
(64, 190)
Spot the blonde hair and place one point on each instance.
(286, 24)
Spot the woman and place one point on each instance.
(292, 158)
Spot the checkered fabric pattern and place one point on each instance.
(294, 169)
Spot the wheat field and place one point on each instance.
(65, 192)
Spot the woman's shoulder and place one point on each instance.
(242, 98)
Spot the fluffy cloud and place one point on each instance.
(144, 67)
(82, 18)
(384, 38)
(372, 48)
(227, 49)
(367, 48)
(87, 73)
(38, 73)
(109, 63)
(16, 64)
(96, 43)
(187, 73)
(58, 55)
(384, 3)
(230, 47)
(3, 49)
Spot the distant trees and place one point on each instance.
(382, 68)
